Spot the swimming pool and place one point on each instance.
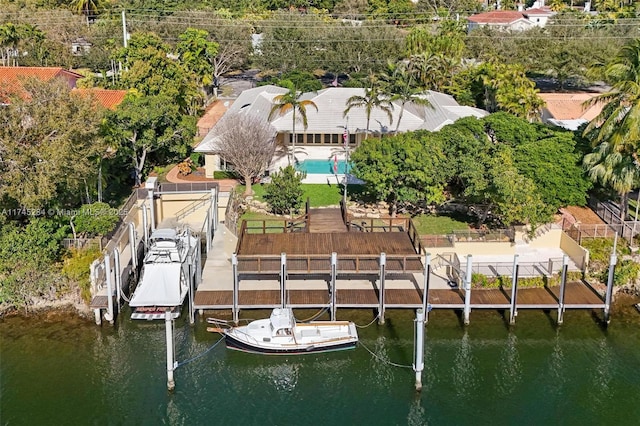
(321, 167)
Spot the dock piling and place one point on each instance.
(334, 270)
(425, 292)
(467, 290)
(118, 275)
(109, 316)
(513, 311)
(607, 301)
(283, 280)
(383, 264)
(168, 323)
(563, 286)
(418, 360)
(234, 268)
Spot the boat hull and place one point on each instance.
(239, 345)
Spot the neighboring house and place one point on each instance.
(323, 136)
(510, 20)
(80, 46)
(568, 110)
(11, 79)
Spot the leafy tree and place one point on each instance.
(407, 169)
(49, 137)
(291, 101)
(372, 99)
(248, 143)
(142, 125)
(150, 71)
(95, 219)
(284, 193)
(197, 53)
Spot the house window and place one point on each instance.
(317, 138)
(300, 139)
(335, 139)
(352, 139)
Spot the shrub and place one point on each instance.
(284, 193)
(185, 167)
(225, 174)
(77, 269)
(626, 272)
(96, 219)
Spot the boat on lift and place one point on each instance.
(168, 267)
(280, 334)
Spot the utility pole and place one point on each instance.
(124, 30)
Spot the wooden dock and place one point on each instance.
(377, 264)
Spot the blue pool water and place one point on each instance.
(321, 167)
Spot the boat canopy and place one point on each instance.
(164, 234)
(160, 286)
(282, 318)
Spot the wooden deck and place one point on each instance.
(357, 252)
(578, 295)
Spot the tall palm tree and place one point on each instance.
(615, 132)
(402, 89)
(291, 101)
(373, 98)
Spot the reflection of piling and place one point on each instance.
(418, 361)
(168, 322)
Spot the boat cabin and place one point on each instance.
(282, 322)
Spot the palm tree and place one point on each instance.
(609, 167)
(373, 98)
(402, 89)
(291, 101)
(615, 132)
(85, 7)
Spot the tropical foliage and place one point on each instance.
(284, 192)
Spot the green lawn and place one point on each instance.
(427, 224)
(320, 195)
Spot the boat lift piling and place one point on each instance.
(425, 292)
(234, 267)
(613, 260)
(109, 316)
(145, 226)
(563, 286)
(383, 264)
(467, 290)
(171, 364)
(116, 266)
(134, 250)
(283, 280)
(334, 267)
(418, 359)
(513, 311)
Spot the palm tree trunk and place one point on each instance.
(293, 141)
(400, 117)
(624, 205)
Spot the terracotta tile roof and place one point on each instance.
(569, 106)
(11, 77)
(496, 17)
(539, 12)
(212, 115)
(108, 98)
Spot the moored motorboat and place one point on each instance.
(281, 334)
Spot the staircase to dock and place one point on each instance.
(326, 220)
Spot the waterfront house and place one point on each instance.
(326, 126)
(510, 20)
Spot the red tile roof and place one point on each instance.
(11, 77)
(108, 98)
(496, 17)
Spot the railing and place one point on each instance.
(414, 236)
(81, 243)
(188, 187)
(190, 208)
(345, 215)
(321, 263)
(491, 235)
(386, 224)
(437, 241)
(274, 226)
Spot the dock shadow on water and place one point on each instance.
(484, 373)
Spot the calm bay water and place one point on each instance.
(60, 371)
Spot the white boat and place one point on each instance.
(165, 276)
(280, 334)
